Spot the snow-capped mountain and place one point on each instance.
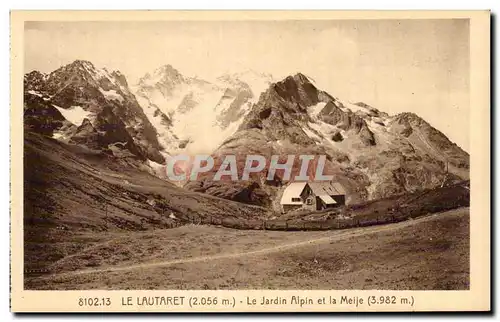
(192, 115)
(370, 153)
(92, 101)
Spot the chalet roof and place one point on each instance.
(328, 188)
(327, 199)
(293, 190)
(323, 190)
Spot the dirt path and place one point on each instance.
(333, 236)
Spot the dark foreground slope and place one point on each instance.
(68, 188)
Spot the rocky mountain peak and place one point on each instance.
(167, 69)
(86, 95)
(77, 67)
(82, 63)
(35, 74)
(404, 123)
(164, 76)
(299, 77)
(293, 81)
(252, 82)
(34, 80)
(298, 89)
(420, 132)
(83, 74)
(408, 117)
(283, 105)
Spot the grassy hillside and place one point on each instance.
(426, 253)
(70, 189)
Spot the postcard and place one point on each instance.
(250, 161)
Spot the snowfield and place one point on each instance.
(35, 93)
(198, 109)
(111, 95)
(74, 114)
(315, 109)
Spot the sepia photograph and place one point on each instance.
(247, 154)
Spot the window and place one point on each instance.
(309, 201)
(296, 199)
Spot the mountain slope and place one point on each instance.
(70, 188)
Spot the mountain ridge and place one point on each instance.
(367, 151)
(83, 91)
(371, 153)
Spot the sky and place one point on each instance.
(417, 65)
